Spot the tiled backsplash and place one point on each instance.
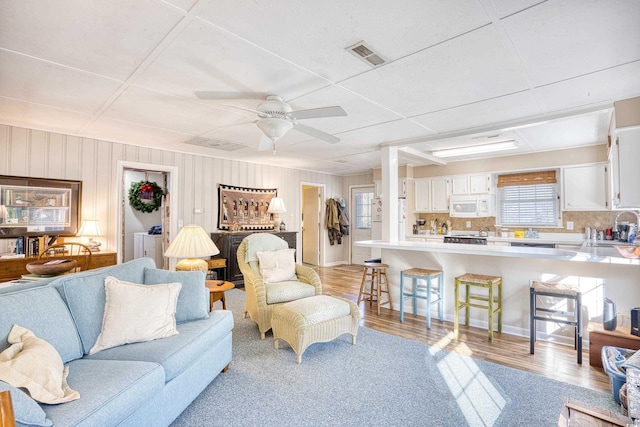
(581, 220)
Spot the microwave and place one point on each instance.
(466, 206)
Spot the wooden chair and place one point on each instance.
(71, 250)
(7, 418)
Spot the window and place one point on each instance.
(528, 200)
(363, 210)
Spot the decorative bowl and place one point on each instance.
(632, 252)
(51, 267)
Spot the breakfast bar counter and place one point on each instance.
(599, 271)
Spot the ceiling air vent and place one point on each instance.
(218, 144)
(367, 54)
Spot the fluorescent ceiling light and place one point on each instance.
(477, 149)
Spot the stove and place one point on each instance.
(467, 239)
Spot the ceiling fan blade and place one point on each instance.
(316, 133)
(314, 113)
(265, 143)
(211, 94)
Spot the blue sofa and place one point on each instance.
(140, 384)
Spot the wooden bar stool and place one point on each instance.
(493, 302)
(372, 277)
(563, 295)
(424, 291)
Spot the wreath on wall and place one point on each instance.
(145, 196)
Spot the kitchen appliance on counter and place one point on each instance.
(466, 238)
(468, 206)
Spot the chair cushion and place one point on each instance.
(317, 309)
(262, 242)
(288, 291)
(277, 266)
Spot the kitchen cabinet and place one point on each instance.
(472, 184)
(228, 244)
(421, 195)
(625, 173)
(584, 188)
(432, 194)
(440, 192)
(148, 245)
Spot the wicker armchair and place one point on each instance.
(262, 297)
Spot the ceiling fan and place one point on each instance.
(276, 118)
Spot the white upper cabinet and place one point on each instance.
(584, 188)
(421, 195)
(440, 192)
(431, 194)
(625, 171)
(472, 184)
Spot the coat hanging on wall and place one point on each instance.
(336, 220)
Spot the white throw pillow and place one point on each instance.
(34, 364)
(137, 313)
(277, 266)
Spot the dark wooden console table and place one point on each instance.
(228, 244)
(599, 338)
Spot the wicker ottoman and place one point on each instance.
(320, 318)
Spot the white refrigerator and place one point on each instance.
(402, 219)
(376, 219)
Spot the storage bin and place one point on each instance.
(617, 377)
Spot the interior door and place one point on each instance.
(361, 222)
(311, 199)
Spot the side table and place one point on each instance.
(216, 291)
(598, 338)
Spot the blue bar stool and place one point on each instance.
(428, 292)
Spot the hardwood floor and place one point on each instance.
(550, 360)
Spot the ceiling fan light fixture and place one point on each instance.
(275, 128)
(477, 149)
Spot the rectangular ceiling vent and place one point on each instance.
(364, 52)
(217, 144)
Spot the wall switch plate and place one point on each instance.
(569, 225)
(198, 210)
(468, 224)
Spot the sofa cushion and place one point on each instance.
(178, 352)
(193, 301)
(136, 313)
(288, 291)
(262, 242)
(33, 364)
(107, 398)
(85, 295)
(42, 311)
(26, 411)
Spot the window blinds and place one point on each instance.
(528, 205)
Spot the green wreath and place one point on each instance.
(145, 196)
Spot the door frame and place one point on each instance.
(321, 190)
(172, 179)
(352, 210)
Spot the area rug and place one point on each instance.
(382, 380)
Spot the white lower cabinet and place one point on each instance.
(148, 245)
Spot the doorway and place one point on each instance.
(365, 224)
(311, 196)
(128, 224)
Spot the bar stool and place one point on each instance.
(493, 302)
(373, 275)
(563, 294)
(422, 291)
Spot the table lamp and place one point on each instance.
(91, 228)
(191, 243)
(276, 207)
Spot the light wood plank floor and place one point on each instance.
(550, 360)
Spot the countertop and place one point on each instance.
(569, 239)
(600, 254)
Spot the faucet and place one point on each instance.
(615, 223)
(484, 231)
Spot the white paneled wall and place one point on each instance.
(28, 152)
